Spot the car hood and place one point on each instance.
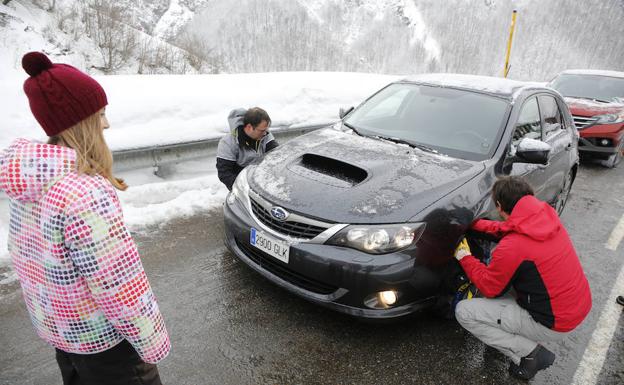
(586, 107)
(342, 177)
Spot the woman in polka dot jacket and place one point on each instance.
(80, 271)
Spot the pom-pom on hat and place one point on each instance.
(60, 96)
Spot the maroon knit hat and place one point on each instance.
(60, 95)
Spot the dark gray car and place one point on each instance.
(363, 216)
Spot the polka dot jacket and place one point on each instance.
(80, 271)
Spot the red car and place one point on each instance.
(596, 101)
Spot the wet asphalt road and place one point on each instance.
(228, 325)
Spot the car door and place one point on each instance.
(529, 125)
(554, 133)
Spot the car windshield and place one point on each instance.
(458, 123)
(595, 87)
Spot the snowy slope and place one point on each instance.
(24, 28)
(61, 33)
(179, 13)
(173, 20)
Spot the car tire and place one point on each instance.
(564, 194)
(443, 308)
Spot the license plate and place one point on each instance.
(270, 245)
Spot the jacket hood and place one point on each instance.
(29, 169)
(235, 118)
(358, 179)
(534, 218)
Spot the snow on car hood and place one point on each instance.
(586, 107)
(346, 178)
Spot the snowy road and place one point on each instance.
(230, 326)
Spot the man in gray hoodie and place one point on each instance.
(248, 140)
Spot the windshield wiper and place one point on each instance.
(409, 143)
(423, 147)
(352, 128)
(588, 98)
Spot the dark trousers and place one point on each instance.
(120, 365)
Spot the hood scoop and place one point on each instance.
(329, 171)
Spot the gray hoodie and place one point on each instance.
(232, 148)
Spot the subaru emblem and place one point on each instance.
(279, 213)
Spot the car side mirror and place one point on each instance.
(342, 112)
(532, 151)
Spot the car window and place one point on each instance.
(455, 122)
(586, 86)
(529, 124)
(388, 107)
(551, 116)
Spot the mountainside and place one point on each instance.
(331, 35)
(392, 36)
(412, 36)
(356, 17)
(162, 18)
(101, 36)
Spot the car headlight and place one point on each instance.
(610, 118)
(378, 239)
(240, 188)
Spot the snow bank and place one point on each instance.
(154, 204)
(146, 110)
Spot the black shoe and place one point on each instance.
(540, 358)
(620, 300)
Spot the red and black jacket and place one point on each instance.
(535, 255)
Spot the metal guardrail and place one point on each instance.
(169, 154)
(158, 156)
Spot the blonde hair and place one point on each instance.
(92, 152)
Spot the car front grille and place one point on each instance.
(289, 228)
(583, 121)
(281, 270)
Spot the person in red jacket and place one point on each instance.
(536, 258)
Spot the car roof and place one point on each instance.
(487, 84)
(613, 74)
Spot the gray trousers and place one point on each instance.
(502, 324)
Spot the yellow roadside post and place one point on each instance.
(511, 32)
